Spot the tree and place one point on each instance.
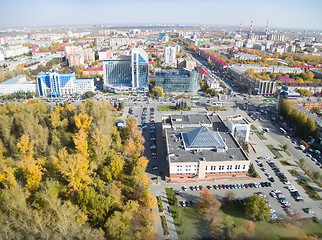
(209, 205)
(317, 175)
(229, 197)
(157, 91)
(285, 147)
(310, 127)
(251, 171)
(89, 94)
(256, 209)
(303, 162)
(121, 105)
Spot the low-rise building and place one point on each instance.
(239, 127)
(199, 148)
(17, 84)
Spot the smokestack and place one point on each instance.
(266, 29)
(240, 29)
(251, 27)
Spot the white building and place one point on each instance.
(17, 84)
(239, 127)
(14, 50)
(57, 84)
(170, 55)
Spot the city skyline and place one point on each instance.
(280, 14)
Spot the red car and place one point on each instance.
(200, 187)
(224, 186)
(287, 206)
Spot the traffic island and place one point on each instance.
(164, 225)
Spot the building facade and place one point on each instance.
(55, 84)
(170, 55)
(177, 80)
(127, 74)
(239, 127)
(17, 84)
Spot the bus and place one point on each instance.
(302, 142)
(283, 131)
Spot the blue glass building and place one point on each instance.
(55, 84)
(183, 81)
(127, 74)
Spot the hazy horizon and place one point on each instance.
(280, 14)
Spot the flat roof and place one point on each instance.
(190, 119)
(234, 153)
(16, 80)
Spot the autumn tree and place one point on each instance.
(31, 168)
(157, 91)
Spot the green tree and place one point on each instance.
(89, 94)
(317, 175)
(157, 91)
(256, 209)
(285, 147)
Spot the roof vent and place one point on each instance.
(232, 156)
(203, 159)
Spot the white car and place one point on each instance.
(287, 182)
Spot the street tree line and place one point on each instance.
(304, 126)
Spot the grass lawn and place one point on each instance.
(309, 174)
(190, 225)
(260, 135)
(274, 151)
(294, 173)
(285, 163)
(309, 190)
(286, 151)
(216, 109)
(253, 127)
(171, 108)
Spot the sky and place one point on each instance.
(296, 14)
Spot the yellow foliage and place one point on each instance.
(25, 146)
(33, 172)
(116, 166)
(7, 177)
(75, 168)
(80, 141)
(55, 119)
(83, 121)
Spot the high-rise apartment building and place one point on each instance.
(170, 55)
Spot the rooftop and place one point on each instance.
(200, 137)
(176, 148)
(16, 80)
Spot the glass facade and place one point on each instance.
(56, 84)
(177, 80)
(118, 72)
(140, 69)
(128, 71)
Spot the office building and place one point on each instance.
(239, 127)
(127, 74)
(55, 84)
(177, 80)
(140, 70)
(170, 55)
(198, 147)
(17, 84)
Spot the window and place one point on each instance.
(206, 168)
(244, 166)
